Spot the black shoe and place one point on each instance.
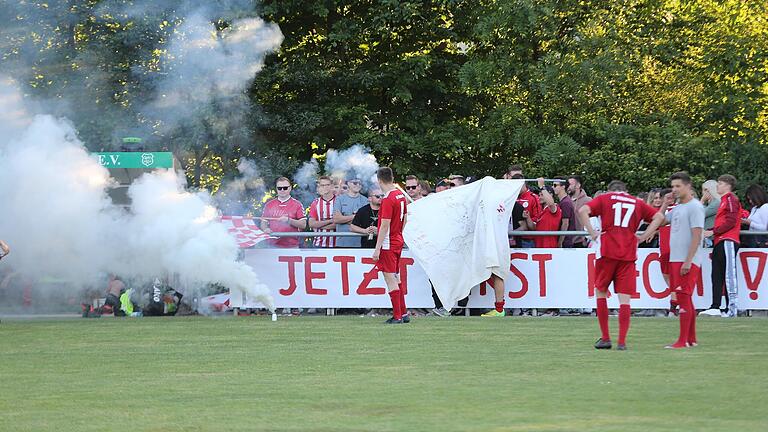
(621, 347)
(406, 319)
(393, 321)
(601, 344)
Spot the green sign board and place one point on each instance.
(135, 160)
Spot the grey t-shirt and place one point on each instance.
(683, 218)
(347, 206)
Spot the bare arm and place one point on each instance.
(298, 223)
(696, 236)
(356, 229)
(327, 224)
(584, 219)
(6, 249)
(339, 218)
(658, 220)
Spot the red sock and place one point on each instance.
(624, 315)
(673, 304)
(403, 309)
(499, 306)
(602, 318)
(394, 297)
(685, 319)
(692, 326)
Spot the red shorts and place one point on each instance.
(621, 273)
(682, 283)
(389, 261)
(664, 262)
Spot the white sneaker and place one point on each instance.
(440, 312)
(710, 312)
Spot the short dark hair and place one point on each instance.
(515, 168)
(282, 179)
(663, 192)
(757, 195)
(385, 175)
(578, 179)
(727, 178)
(517, 177)
(561, 181)
(411, 177)
(616, 186)
(682, 176)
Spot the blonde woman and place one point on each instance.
(711, 200)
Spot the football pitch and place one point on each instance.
(355, 374)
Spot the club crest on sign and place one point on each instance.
(147, 159)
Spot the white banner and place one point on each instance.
(540, 278)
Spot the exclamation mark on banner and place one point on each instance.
(753, 281)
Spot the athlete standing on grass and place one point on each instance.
(685, 253)
(620, 214)
(389, 244)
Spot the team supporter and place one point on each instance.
(426, 189)
(579, 198)
(344, 212)
(685, 253)
(283, 214)
(758, 215)
(389, 243)
(620, 215)
(726, 240)
(532, 210)
(549, 219)
(568, 222)
(321, 213)
(413, 187)
(366, 219)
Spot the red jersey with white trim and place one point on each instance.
(393, 207)
(275, 209)
(620, 214)
(665, 233)
(727, 223)
(322, 210)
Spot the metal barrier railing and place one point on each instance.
(304, 234)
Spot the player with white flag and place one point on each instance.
(459, 237)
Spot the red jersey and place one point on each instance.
(530, 203)
(394, 208)
(548, 221)
(275, 209)
(322, 210)
(664, 235)
(727, 223)
(620, 215)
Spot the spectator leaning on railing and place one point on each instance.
(568, 222)
(367, 218)
(549, 219)
(579, 197)
(344, 210)
(321, 212)
(283, 214)
(757, 199)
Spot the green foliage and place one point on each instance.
(630, 89)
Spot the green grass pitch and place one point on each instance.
(355, 374)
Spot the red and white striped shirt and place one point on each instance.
(322, 210)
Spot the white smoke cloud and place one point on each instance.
(354, 162)
(60, 222)
(306, 181)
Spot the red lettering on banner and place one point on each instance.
(344, 261)
(368, 277)
(520, 275)
(753, 282)
(291, 260)
(309, 275)
(651, 257)
(404, 263)
(542, 260)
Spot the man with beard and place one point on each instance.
(579, 197)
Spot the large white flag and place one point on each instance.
(460, 236)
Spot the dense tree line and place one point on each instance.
(634, 89)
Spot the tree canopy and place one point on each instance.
(630, 89)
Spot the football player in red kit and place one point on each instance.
(389, 244)
(620, 214)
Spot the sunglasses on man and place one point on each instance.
(379, 196)
(411, 187)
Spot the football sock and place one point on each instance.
(602, 318)
(499, 306)
(394, 296)
(685, 319)
(624, 316)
